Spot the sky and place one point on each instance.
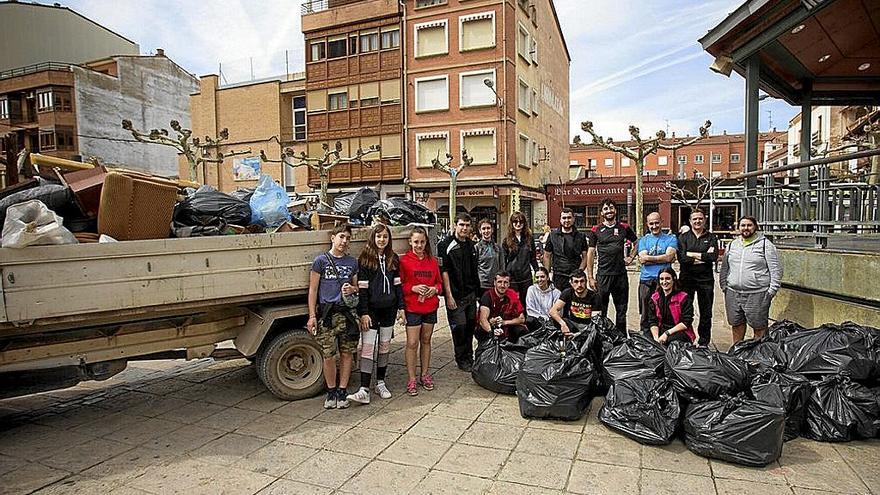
(633, 61)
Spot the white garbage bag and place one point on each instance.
(32, 223)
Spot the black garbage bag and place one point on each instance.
(496, 365)
(782, 329)
(401, 211)
(56, 197)
(840, 410)
(832, 349)
(243, 193)
(556, 379)
(791, 391)
(180, 230)
(538, 335)
(342, 203)
(638, 356)
(644, 409)
(701, 374)
(359, 208)
(761, 353)
(207, 207)
(735, 429)
(608, 336)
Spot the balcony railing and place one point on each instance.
(312, 6)
(31, 69)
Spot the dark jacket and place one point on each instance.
(566, 250)
(379, 289)
(521, 261)
(690, 270)
(664, 312)
(459, 260)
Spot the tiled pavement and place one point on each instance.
(210, 427)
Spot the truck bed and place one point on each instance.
(61, 287)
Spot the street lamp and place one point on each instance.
(491, 85)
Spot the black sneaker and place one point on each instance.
(330, 401)
(342, 399)
(467, 367)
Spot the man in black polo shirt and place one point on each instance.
(697, 254)
(608, 239)
(565, 250)
(459, 267)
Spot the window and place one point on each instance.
(428, 3)
(473, 91)
(522, 151)
(535, 101)
(44, 101)
(476, 31)
(430, 146)
(369, 42)
(299, 118)
(524, 97)
(716, 157)
(533, 50)
(316, 100)
(624, 162)
(390, 39)
(390, 91)
(337, 101)
(432, 93)
(734, 158)
(47, 140)
(609, 162)
(390, 146)
(4, 109)
(353, 45)
(64, 138)
(369, 94)
(318, 51)
(336, 48)
(662, 161)
(480, 145)
(716, 173)
(522, 43)
(698, 158)
(682, 159)
(431, 38)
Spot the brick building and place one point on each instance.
(267, 115)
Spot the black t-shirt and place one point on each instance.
(609, 242)
(459, 259)
(567, 250)
(576, 308)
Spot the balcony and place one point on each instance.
(324, 14)
(384, 170)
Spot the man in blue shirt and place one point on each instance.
(656, 251)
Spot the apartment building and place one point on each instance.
(476, 80)
(354, 68)
(830, 126)
(267, 115)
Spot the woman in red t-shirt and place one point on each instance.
(420, 278)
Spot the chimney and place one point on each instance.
(160, 52)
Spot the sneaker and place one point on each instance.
(362, 396)
(412, 388)
(427, 382)
(382, 390)
(467, 367)
(330, 401)
(342, 399)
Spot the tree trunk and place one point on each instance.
(640, 197)
(324, 175)
(453, 180)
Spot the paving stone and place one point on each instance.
(143, 431)
(742, 487)
(381, 478)
(364, 442)
(825, 473)
(126, 400)
(78, 485)
(559, 425)
(127, 490)
(111, 422)
(538, 470)
(440, 483)
(492, 435)
(28, 478)
(469, 409)
(675, 457)
(34, 443)
(476, 461)
(192, 412)
(393, 421)
(772, 473)
(270, 426)
(306, 408)
(276, 458)
(864, 459)
(9, 463)
(618, 451)
(184, 439)
(156, 406)
(416, 451)
(71, 417)
(228, 450)
(85, 455)
(355, 414)
(164, 386)
(190, 476)
(503, 410)
(314, 434)
(287, 487)
(674, 483)
(440, 427)
(230, 419)
(264, 402)
(548, 442)
(508, 488)
(326, 468)
(128, 465)
(590, 478)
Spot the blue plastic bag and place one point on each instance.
(269, 203)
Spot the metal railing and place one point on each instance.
(30, 69)
(312, 6)
(843, 209)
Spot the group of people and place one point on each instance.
(501, 289)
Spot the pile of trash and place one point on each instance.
(741, 406)
(81, 203)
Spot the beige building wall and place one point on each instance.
(33, 33)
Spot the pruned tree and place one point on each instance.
(323, 164)
(197, 153)
(693, 197)
(453, 176)
(638, 153)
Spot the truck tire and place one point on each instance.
(291, 365)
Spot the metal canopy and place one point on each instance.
(825, 50)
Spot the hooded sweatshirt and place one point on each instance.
(415, 271)
(752, 267)
(379, 288)
(539, 302)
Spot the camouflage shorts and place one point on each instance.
(333, 338)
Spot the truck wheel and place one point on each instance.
(291, 366)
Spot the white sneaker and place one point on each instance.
(382, 390)
(362, 396)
